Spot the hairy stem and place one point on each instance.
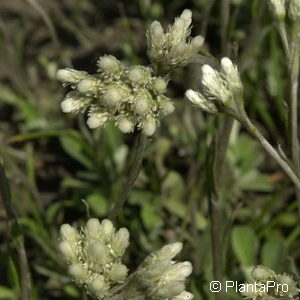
(133, 173)
(294, 77)
(272, 152)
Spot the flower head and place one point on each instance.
(173, 48)
(278, 9)
(130, 96)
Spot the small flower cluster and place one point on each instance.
(94, 255)
(94, 258)
(162, 277)
(221, 90)
(284, 285)
(130, 96)
(174, 48)
(278, 8)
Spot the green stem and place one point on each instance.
(133, 173)
(271, 151)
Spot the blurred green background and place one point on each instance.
(59, 171)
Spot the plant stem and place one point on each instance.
(294, 77)
(272, 152)
(215, 171)
(133, 173)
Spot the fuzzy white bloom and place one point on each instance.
(70, 76)
(294, 10)
(98, 285)
(107, 229)
(120, 241)
(141, 105)
(125, 125)
(262, 273)
(113, 96)
(87, 85)
(96, 120)
(184, 296)
(160, 85)
(118, 272)
(197, 42)
(78, 272)
(67, 250)
(149, 126)
(73, 103)
(167, 107)
(198, 99)
(232, 75)
(68, 233)
(98, 251)
(278, 8)
(109, 64)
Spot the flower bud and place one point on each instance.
(125, 125)
(78, 272)
(99, 252)
(184, 296)
(186, 15)
(67, 250)
(70, 75)
(136, 74)
(232, 74)
(109, 64)
(88, 85)
(159, 85)
(278, 9)
(141, 104)
(157, 31)
(198, 99)
(197, 42)
(167, 107)
(118, 272)
(179, 271)
(96, 120)
(68, 233)
(171, 289)
(262, 273)
(92, 228)
(120, 241)
(168, 251)
(178, 49)
(149, 126)
(107, 229)
(98, 285)
(112, 96)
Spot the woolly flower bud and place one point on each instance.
(186, 15)
(70, 75)
(142, 103)
(68, 233)
(98, 285)
(92, 228)
(125, 125)
(179, 271)
(262, 273)
(294, 10)
(98, 251)
(232, 75)
(167, 107)
(78, 272)
(88, 85)
(112, 96)
(149, 126)
(120, 241)
(139, 75)
(278, 8)
(184, 296)
(198, 99)
(73, 103)
(67, 250)
(156, 30)
(178, 50)
(168, 251)
(96, 120)
(197, 42)
(109, 64)
(118, 272)
(171, 289)
(159, 85)
(107, 229)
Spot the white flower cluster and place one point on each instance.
(162, 277)
(262, 275)
(278, 8)
(94, 255)
(94, 258)
(173, 48)
(221, 90)
(130, 96)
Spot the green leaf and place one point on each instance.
(150, 217)
(77, 148)
(98, 204)
(6, 293)
(273, 254)
(245, 245)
